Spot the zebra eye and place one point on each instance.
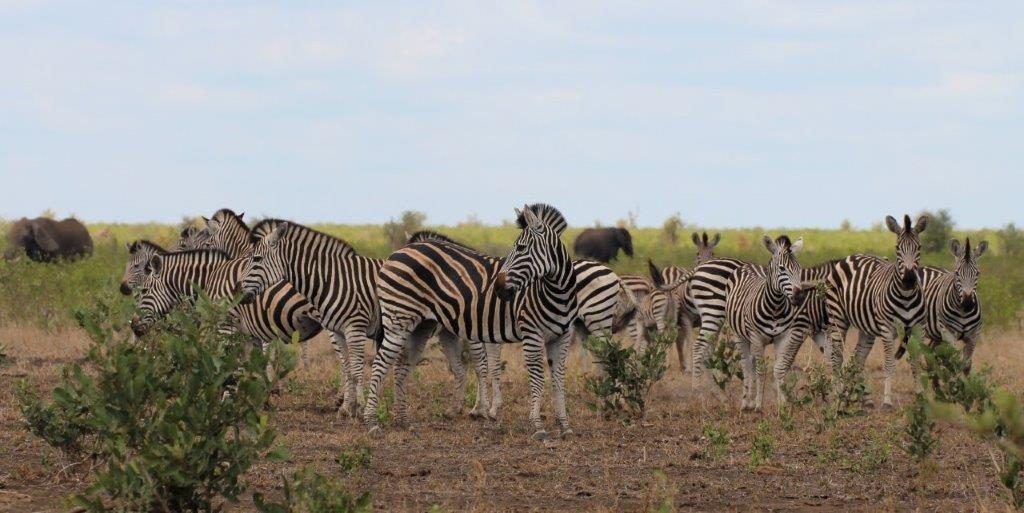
(257, 258)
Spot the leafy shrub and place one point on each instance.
(940, 229)
(851, 391)
(397, 232)
(945, 373)
(819, 383)
(309, 492)
(716, 442)
(172, 422)
(1011, 240)
(762, 446)
(671, 228)
(919, 429)
(357, 458)
(628, 376)
(725, 361)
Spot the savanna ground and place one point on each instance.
(692, 452)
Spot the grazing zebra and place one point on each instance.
(951, 301)
(660, 309)
(761, 306)
(332, 276)
(530, 297)
(167, 278)
(605, 306)
(873, 295)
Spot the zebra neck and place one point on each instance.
(563, 281)
(896, 289)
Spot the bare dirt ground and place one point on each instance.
(461, 464)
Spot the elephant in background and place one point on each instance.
(603, 244)
(46, 240)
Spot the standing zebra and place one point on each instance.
(327, 271)
(873, 295)
(660, 308)
(951, 301)
(530, 297)
(192, 237)
(605, 306)
(812, 321)
(761, 307)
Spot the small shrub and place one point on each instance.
(919, 429)
(398, 231)
(716, 442)
(173, 422)
(671, 228)
(819, 383)
(384, 406)
(622, 389)
(309, 492)
(945, 374)
(940, 229)
(851, 391)
(725, 362)
(762, 446)
(1011, 240)
(353, 459)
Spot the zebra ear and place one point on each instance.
(205, 220)
(922, 223)
(280, 231)
(982, 247)
(241, 215)
(156, 264)
(532, 221)
(130, 246)
(715, 240)
(893, 225)
(696, 239)
(769, 244)
(954, 247)
(797, 246)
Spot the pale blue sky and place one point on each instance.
(731, 113)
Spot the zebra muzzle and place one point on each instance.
(138, 328)
(125, 289)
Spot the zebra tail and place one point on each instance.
(900, 351)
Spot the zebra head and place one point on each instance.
(908, 247)
(139, 253)
(192, 238)
(265, 266)
(965, 284)
(538, 251)
(784, 270)
(154, 299)
(705, 247)
(228, 232)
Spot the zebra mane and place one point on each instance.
(783, 240)
(204, 251)
(225, 214)
(264, 227)
(432, 236)
(548, 215)
(188, 231)
(145, 243)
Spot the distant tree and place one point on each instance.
(846, 225)
(671, 228)
(940, 229)
(1011, 240)
(48, 214)
(472, 220)
(629, 222)
(396, 231)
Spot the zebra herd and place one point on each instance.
(295, 279)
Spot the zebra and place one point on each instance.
(530, 297)
(192, 237)
(873, 294)
(951, 302)
(761, 306)
(812, 321)
(167, 278)
(332, 276)
(605, 306)
(659, 309)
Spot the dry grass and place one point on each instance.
(466, 465)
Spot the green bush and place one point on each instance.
(622, 389)
(762, 446)
(726, 361)
(310, 492)
(936, 237)
(919, 429)
(172, 422)
(716, 442)
(1011, 240)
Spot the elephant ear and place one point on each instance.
(44, 240)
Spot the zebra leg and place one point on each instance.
(413, 352)
(756, 357)
(348, 395)
(969, 342)
(533, 354)
(452, 350)
(889, 346)
(355, 335)
(558, 352)
(494, 372)
(396, 335)
(478, 352)
(701, 350)
(785, 353)
(747, 361)
(683, 332)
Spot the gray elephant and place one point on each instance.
(46, 240)
(603, 244)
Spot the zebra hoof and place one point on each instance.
(566, 433)
(477, 414)
(869, 403)
(493, 414)
(887, 407)
(540, 435)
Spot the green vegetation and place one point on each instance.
(762, 446)
(43, 295)
(716, 442)
(622, 388)
(309, 492)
